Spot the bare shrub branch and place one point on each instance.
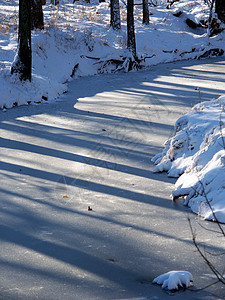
(216, 272)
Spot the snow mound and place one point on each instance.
(196, 153)
(174, 279)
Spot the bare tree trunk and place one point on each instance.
(37, 15)
(55, 2)
(22, 61)
(115, 14)
(145, 12)
(131, 43)
(220, 9)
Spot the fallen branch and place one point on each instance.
(121, 63)
(211, 52)
(74, 70)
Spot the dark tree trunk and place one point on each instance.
(115, 14)
(43, 2)
(55, 2)
(220, 9)
(145, 12)
(22, 61)
(131, 43)
(37, 14)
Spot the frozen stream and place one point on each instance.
(93, 148)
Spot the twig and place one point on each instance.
(218, 275)
(213, 213)
(215, 254)
(90, 57)
(208, 2)
(125, 4)
(205, 287)
(152, 3)
(215, 231)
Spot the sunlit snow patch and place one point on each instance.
(174, 279)
(196, 154)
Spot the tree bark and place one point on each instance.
(22, 61)
(115, 15)
(37, 15)
(131, 43)
(220, 9)
(55, 2)
(145, 12)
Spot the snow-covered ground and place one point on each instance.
(197, 153)
(76, 34)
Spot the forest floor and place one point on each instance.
(93, 148)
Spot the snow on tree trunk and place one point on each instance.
(145, 12)
(115, 14)
(131, 43)
(220, 9)
(22, 61)
(37, 14)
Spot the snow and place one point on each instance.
(174, 279)
(65, 150)
(77, 41)
(196, 153)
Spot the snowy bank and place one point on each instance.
(77, 41)
(196, 153)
